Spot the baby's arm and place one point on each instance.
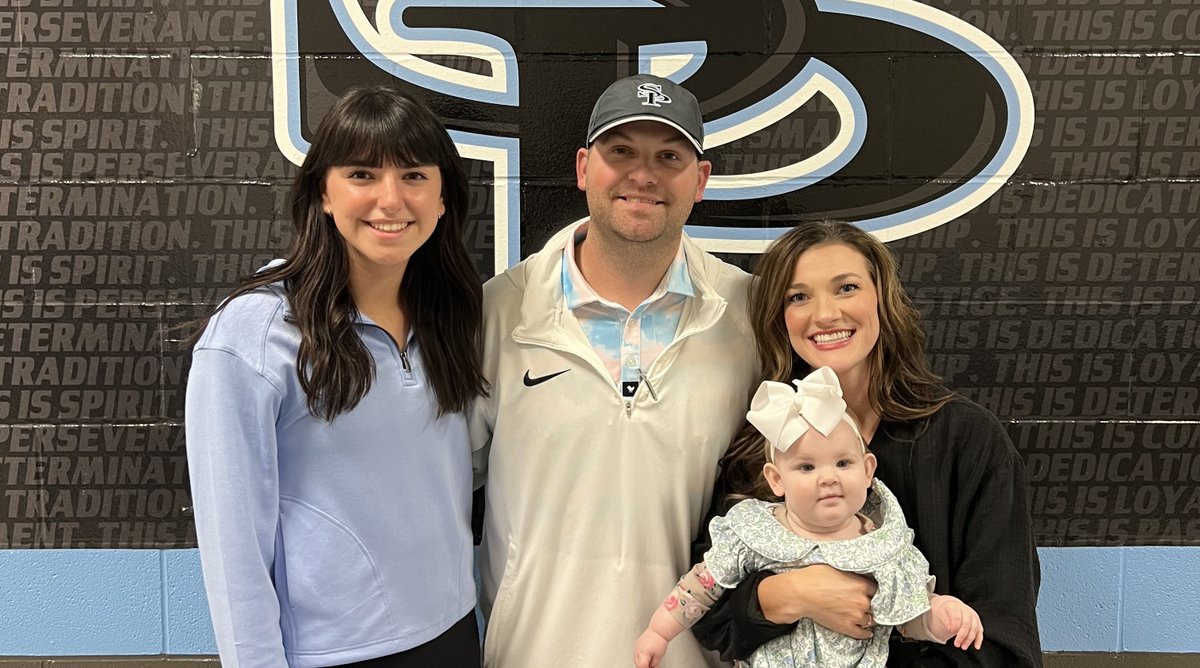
(947, 617)
(693, 595)
(652, 644)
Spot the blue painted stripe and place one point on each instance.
(132, 602)
(71, 602)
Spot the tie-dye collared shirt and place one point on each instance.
(627, 343)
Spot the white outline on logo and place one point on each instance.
(394, 48)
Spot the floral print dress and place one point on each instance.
(749, 538)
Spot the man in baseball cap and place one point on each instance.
(645, 97)
(620, 367)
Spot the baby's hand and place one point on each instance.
(649, 650)
(949, 616)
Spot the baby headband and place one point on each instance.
(783, 414)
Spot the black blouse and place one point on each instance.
(961, 484)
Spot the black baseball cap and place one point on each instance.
(645, 97)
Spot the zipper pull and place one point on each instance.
(628, 408)
(404, 361)
(650, 387)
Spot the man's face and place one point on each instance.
(641, 180)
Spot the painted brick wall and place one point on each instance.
(1034, 165)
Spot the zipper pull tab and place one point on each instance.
(650, 387)
(404, 361)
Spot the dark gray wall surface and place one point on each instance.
(141, 177)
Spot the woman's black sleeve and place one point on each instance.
(735, 626)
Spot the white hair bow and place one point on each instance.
(783, 415)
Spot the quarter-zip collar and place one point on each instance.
(545, 315)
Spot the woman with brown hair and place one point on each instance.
(827, 294)
(326, 432)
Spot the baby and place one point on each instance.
(817, 461)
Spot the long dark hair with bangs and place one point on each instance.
(441, 293)
(903, 387)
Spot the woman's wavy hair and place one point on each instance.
(903, 387)
(441, 293)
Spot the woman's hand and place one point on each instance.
(834, 599)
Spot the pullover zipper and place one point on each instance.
(649, 387)
(407, 378)
(653, 394)
(677, 341)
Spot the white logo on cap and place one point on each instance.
(651, 94)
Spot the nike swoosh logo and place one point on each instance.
(530, 382)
